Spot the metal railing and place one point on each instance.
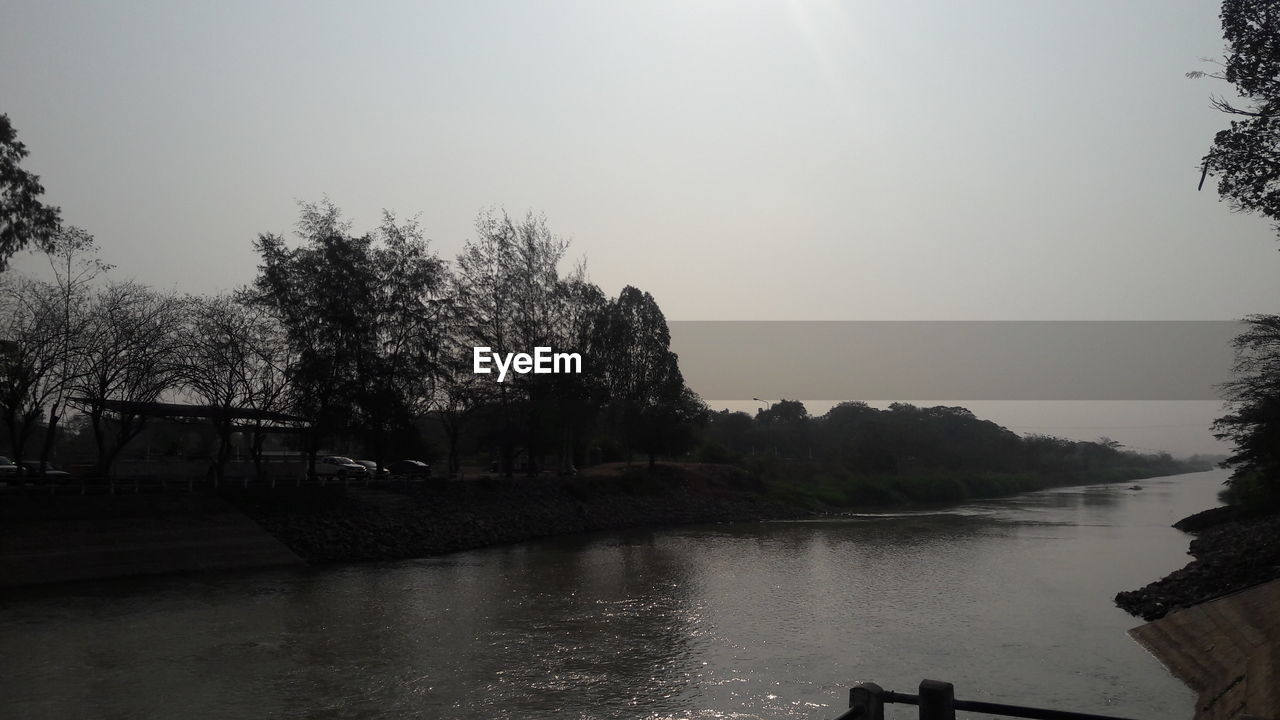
(937, 701)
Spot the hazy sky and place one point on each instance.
(771, 159)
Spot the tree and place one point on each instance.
(319, 293)
(399, 376)
(40, 322)
(360, 313)
(575, 397)
(131, 352)
(648, 399)
(29, 358)
(234, 362)
(73, 259)
(1245, 158)
(23, 218)
(783, 411)
(1253, 421)
(508, 296)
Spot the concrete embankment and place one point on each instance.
(58, 538)
(1216, 622)
(1227, 650)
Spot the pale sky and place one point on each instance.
(754, 160)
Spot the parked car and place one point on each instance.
(372, 467)
(43, 472)
(410, 469)
(338, 466)
(7, 468)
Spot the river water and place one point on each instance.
(1009, 599)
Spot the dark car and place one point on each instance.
(43, 472)
(410, 469)
(7, 468)
(372, 467)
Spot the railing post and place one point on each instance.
(869, 698)
(937, 700)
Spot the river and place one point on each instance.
(1009, 599)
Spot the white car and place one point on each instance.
(338, 466)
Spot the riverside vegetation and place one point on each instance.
(363, 343)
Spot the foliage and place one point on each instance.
(648, 400)
(1245, 158)
(860, 455)
(24, 220)
(1252, 424)
(359, 313)
(508, 296)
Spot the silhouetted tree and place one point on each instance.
(234, 360)
(358, 313)
(398, 378)
(72, 255)
(1253, 421)
(575, 398)
(30, 368)
(1245, 157)
(131, 350)
(24, 219)
(320, 293)
(484, 316)
(647, 397)
(508, 297)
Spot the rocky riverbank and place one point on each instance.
(1232, 551)
(421, 519)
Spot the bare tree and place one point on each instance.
(73, 260)
(131, 352)
(30, 376)
(235, 364)
(41, 320)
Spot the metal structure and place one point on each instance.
(937, 701)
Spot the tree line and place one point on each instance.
(868, 455)
(1244, 158)
(357, 337)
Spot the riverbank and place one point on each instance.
(1231, 552)
(416, 520)
(50, 539)
(391, 521)
(337, 524)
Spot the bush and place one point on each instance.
(1253, 492)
